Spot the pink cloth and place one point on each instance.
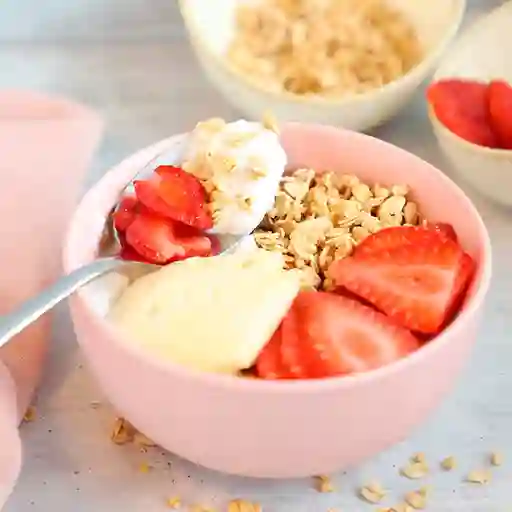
(45, 148)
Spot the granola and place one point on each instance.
(363, 44)
(318, 218)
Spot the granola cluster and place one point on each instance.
(318, 218)
(327, 47)
(416, 468)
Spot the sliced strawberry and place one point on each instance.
(466, 272)
(444, 228)
(148, 194)
(268, 364)
(195, 246)
(339, 336)
(415, 284)
(294, 351)
(193, 241)
(500, 107)
(153, 238)
(391, 238)
(177, 195)
(463, 107)
(125, 213)
(129, 254)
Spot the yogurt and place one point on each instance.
(240, 164)
(209, 314)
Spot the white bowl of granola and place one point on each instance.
(357, 72)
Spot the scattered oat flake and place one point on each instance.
(243, 506)
(449, 463)
(415, 470)
(425, 490)
(201, 508)
(173, 502)
(144, 467)
(324, 483)
(496, 459)
(401, 507)
(30, 414)
(123, 432)
(373, 492)
(479, 476)
(419, 457)
(416, 500)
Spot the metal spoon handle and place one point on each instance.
(13, 323)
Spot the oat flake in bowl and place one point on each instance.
(320, 217)
(362, 45)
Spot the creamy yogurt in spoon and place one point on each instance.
(240, 164)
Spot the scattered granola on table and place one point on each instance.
(416, 499)
(174, 502)
(324, 484)
(479, 476)
(30, 414)
(123, 432)
(415, 469)
(497, 458)
(144, 467)
(318, 218)
(373, 492)
(201, 508)
(244, 506)
(449, 463)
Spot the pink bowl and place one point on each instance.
(285, 429)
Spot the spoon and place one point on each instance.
(108, 260)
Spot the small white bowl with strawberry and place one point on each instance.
(349, 368)
(470, 105)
